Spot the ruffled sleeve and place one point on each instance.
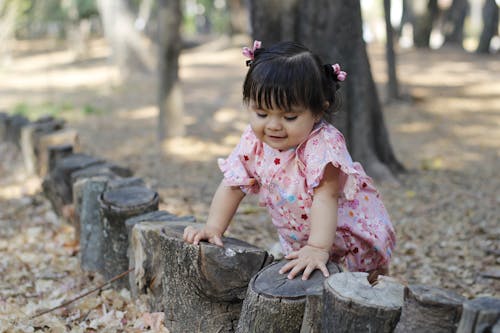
(327, 145)
(239, 167)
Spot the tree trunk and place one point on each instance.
(425, 13)
(200, 288)
(169, 94)
(238, 17)
(131, 49)
(454, 20)
(321, 26)
(351, 304)
(430, 309)
(490, 26)
(276, 304)
(480, 315)
(390, 55)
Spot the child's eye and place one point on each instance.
(261, 115)
(290, 118)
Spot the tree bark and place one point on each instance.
(351, 304)
(425, 13)
(454, 20)
(490, 26)
(276, 304)
(116, 206)
(333, 30)
(390, 55)
(14, 125)
(430, 309)
(238, 16)
(480, 315)
(131, 49)
(200, 288)
(170, 103)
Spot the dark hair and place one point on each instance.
(288, 74)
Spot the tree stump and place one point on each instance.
(14, 125)
(3, 125)
(480, 315)
(351, 304)
(64, 137)
(429, 309)
(117, 205)
(200, 288)
(30, 136)
(158, 216)
(276, 304)
(57, 184)
(54, 154)
(311, 323)
(91, 254)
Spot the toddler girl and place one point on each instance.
(323, 204)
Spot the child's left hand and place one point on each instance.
(306, 259)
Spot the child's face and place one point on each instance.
(282, 129)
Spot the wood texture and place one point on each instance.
(199, 287)
(276, 304)
(351, 304)
(430, 309)
(63, 137)
(116, 206)
(480, 315)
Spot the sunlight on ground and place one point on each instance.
(194, 149)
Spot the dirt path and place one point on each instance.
(446, 210)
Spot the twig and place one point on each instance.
(119, 276)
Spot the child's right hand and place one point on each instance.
(194, 235)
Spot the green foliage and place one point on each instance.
(34, 112)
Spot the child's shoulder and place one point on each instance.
(326, 135)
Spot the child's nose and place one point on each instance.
(274, 124)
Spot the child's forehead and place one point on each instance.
(296, 108)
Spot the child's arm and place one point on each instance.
(224, 204)
(316, 253)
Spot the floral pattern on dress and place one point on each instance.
(285, 182)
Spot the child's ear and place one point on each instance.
(326, 105)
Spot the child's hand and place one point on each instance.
(194, 235)
(307, 259)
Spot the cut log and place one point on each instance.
(480, 315)
(91, 254)
(430, 309)
(56, 153)
(159, 216)
(14, 125)
(57, 184)
(30, 136)
(4, 118)
(200, 288)
(276, 304)
(64, 137)
(314, 308)
(351, 304)
(117, 205)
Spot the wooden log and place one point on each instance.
(91, 231)
(351, 304)
(311, 323)
(276, 304)
(4, 118)
(30, 135)
(56, 153)
(57, 184)
(116, 206)
(159, 216)
(430, 309)
(200, 288)
(480, 315)
(63, 137)
(14, 125)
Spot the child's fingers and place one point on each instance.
(299, 267)
(288, 266)
(198, 237)
(188, 234)
(324, 270)
(307, 272)
(292, 255)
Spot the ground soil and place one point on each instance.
(446, 132)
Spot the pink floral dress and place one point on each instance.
(285, 182)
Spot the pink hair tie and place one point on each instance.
(341, 75)
(250, 53)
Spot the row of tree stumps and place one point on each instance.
(205, 288)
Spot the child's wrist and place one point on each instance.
(325, 249)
